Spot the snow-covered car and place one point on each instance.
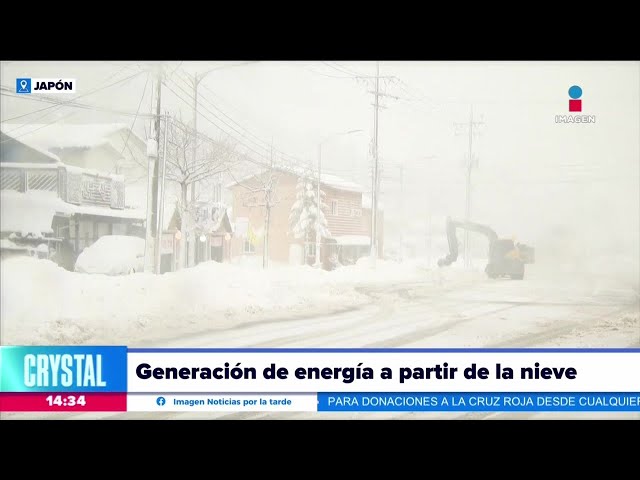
(112, 255)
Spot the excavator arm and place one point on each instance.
(452, 239)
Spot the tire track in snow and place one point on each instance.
(361, 324)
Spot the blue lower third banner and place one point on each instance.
(479, 402)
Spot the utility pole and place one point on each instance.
(470, 126)
(429, 210)
(318, 206)
(374, 180)
(162, 175)
(402, 212)
(153, 143)
(467, 211)
(194, 149)
(189, 241)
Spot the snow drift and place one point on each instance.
(45, 304)
(112, 255)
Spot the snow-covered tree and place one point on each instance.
(305, 219)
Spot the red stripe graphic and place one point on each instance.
(63, 402)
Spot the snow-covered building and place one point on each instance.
(109, 148)
(49, 203)
(105, 147)
(344, 221)
(210, 233)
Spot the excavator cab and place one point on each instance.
(506, 257)
(504, 260)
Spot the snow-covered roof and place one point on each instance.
(88, 171)
(340, 183)
(68, 168)
(326, 179)
(130, 213)
(17, 137)
(39, 166)
(32, 213)
(6, 244)
(218, 210)
(63, 135)
(359, 240)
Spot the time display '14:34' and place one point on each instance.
(66, 400)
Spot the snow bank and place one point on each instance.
(42, 303)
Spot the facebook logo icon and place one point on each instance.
(23, 85)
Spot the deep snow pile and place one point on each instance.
(112, 255)
(42, 303)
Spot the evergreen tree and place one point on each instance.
(304, 217)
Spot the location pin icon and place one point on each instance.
(23, 84)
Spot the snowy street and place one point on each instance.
(448, 310)
(329, 204)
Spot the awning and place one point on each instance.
(30, 213)
(127, 213)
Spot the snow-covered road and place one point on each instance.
(542, 311)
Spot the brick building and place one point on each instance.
(348, 221)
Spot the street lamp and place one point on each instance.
(318, 200)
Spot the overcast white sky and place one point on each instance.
(534, 176)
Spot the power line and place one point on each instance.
(262, 143)
(85, 106)
(225, 115)
(351, 73)
(222, 121)
(209, 120)
(245, 156)
(144, 90)
(330, 76)
(471, 126)
(14, 137)
(61, 104)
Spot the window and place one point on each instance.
(103, 229)
(86, 234)
(217, 192)
(119, 229)
(334, 207)
(63, 231)
(311, 249)
(249, 247)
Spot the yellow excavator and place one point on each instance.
(506, 257)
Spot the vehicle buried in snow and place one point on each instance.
(112, 255)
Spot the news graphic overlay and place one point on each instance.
(117, 379)
(575, 102)
(23, 85)
(27, 85)
(384, 380)
(50, 379)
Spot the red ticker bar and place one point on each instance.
(63, 402)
